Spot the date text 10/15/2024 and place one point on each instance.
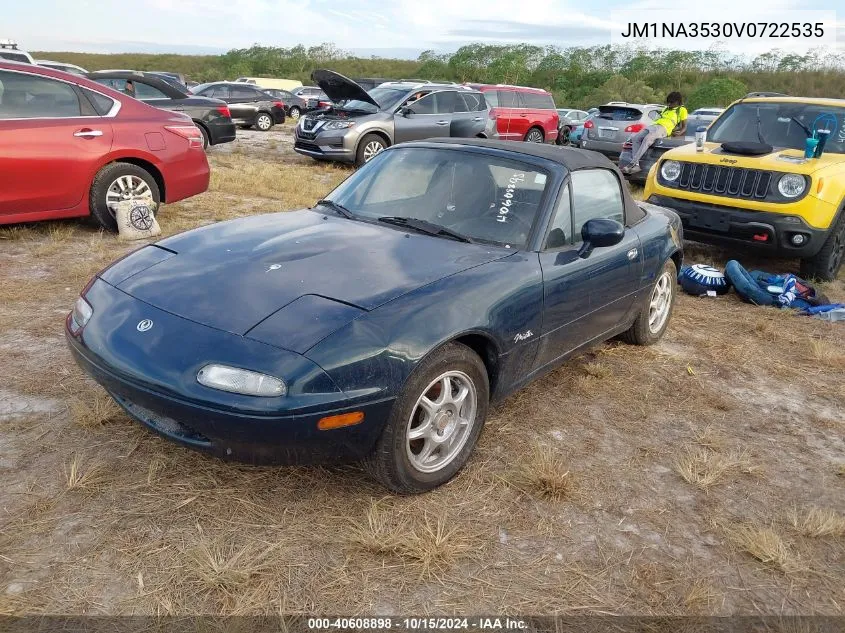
(502, 624)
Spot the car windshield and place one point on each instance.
(387, 98)
(780, 124)
(483, 197)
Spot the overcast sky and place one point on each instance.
(386, 27)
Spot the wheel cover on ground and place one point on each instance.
(441, 421)
(660, 304)
(125, 188)
(372, 148)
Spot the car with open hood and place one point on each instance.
(754, 188)
(700, 118)
(381, 323)
(360, 124)
(211, 116)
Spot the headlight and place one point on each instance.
(791, 185)
(338, 125)
(670, 170)
(82, 312)
(243, 381)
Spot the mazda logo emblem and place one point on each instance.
(144, 325)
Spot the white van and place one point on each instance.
(268, 82)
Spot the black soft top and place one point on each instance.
(571, 158)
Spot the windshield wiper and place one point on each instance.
(337, 207)
(759, 128)
(424, 226)
(802, 126)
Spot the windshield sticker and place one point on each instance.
(826, 121)
(540, 179)
(507, 199)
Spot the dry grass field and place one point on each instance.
(704, 475)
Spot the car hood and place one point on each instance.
(234, 275)
(340, 88)
(785, 160)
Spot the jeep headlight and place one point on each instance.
(338, 125)
(670, 170)
(243, 381)
(791, 185)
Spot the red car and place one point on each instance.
(72, 147)
(521, 113)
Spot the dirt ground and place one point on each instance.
(704, 475)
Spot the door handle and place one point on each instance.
(524, 116)
(632, 254)
(477, 119)
(442, 123)
(88, 133)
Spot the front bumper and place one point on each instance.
(737, 228)
(152, 376)
(336, 145)
(609, 148)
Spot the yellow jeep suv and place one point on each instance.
(752, 187)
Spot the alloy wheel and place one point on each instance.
(534, 136)
(371, 149)
(125, 188)
(661, 302)
(441, 421)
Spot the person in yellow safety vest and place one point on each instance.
(671, 122)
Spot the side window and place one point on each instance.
(492, 97)
(238, 92)
(445, 101)
(508, 99)
(463, 102)
(145, 91)
(219, 92)
(426, 105)
(27, 96)
(102, 104)
(596, 193)
(561, 227)
(472, 101)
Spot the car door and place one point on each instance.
(424, 119)
(53, 142)
(243, 104)
(584, 298)
(513, 120)
(469, 118)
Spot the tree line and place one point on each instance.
(576, 76)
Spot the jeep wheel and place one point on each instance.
(827, 262)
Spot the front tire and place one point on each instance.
(117, 182)
(656, 311)
(368, 147)
(263, 121)
(825, 265)
(434, 423)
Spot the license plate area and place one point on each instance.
(607, 132)
(711, 220)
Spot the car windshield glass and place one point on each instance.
(781, 124)
(387, 98)
(485, 198)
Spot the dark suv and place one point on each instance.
(249, 105)
(211, 116)
(361, 124)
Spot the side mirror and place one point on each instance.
(406, 111)
(599, 233)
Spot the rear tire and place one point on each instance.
(109, 178)
(428, 420)
(535, 135)
(827, 262)
(206, 139)
(294, 113)
(563, 136)
(264, 121)
(368, 147)
(656, 310)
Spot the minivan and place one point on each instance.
(521, 113)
